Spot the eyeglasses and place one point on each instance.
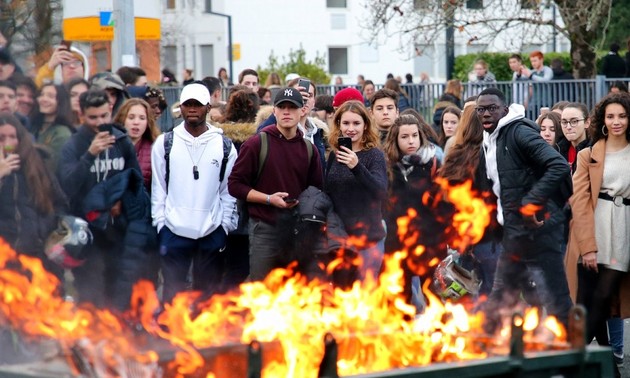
(574, 122)
(481, 110)
(72, 64)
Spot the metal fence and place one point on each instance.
(423, 97)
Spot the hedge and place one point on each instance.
(498, 64)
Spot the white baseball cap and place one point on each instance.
(195, 91)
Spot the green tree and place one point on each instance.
(296, 62)
(617, 29)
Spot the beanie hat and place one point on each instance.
(347, 94)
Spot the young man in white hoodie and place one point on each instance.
(190, 205)
(526, 174)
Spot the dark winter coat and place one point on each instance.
(534, 181)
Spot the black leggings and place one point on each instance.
(596, 292)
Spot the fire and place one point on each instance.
(376, 330)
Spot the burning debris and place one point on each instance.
(374, 328)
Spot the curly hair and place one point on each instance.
(38, 179)
(242, 106)
(462, 160)
(598, 117)
(370, 137)
(157, 93)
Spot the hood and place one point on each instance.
(238, 132)
(273, 131)
(212, 132)
(320, 124)
(263, 113)
(516, 112)
(79, 55)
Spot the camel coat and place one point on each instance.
(587, 182)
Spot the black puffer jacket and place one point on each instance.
(317, 208)
(531, 172)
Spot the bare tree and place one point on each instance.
(30, 26)
(423, 22)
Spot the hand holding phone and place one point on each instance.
(107, 127)
(290, 200)
(66, 44)
(306, 84)
(344, 142)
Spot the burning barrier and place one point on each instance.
(376, 330)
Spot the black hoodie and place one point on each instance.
(77, 171)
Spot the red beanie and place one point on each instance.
(347, 94)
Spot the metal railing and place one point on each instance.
(424, 96)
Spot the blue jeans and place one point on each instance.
(372, 259)
(177, 253)
(487, 254)
(615, 334)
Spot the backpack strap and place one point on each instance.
(227, 148)
(262, 155)
(264, 151)
(168, 145)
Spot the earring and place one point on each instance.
(604, 130)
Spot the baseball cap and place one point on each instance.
(289, 94)
(195, 91)
(347, 94)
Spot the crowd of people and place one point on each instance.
(243, 185)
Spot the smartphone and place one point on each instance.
(67, 44)
(345, 142)
(306, 84)
(290, 200)
(105, 127)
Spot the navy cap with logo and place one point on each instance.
(289, 94)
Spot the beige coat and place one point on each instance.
(587, 182)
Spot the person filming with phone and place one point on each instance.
(357, 181)
(270, 187)
(89, 166)
(66, 63)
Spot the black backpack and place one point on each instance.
(168, 145)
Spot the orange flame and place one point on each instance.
(375, 328)
(530, 209)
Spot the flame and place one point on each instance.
(530, 209)
(375, 328)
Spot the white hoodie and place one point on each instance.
(516, 111)
(192, 208)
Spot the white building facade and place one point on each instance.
(335, 29)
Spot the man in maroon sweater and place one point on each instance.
(286, 173)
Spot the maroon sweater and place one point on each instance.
(286, 169)
(143, 153)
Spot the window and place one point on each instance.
(528, 4)
(338, 21)
(338, 60)
(207, 60)
(474, 4)
(336, 4)
(169, 57)
(170, 4)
